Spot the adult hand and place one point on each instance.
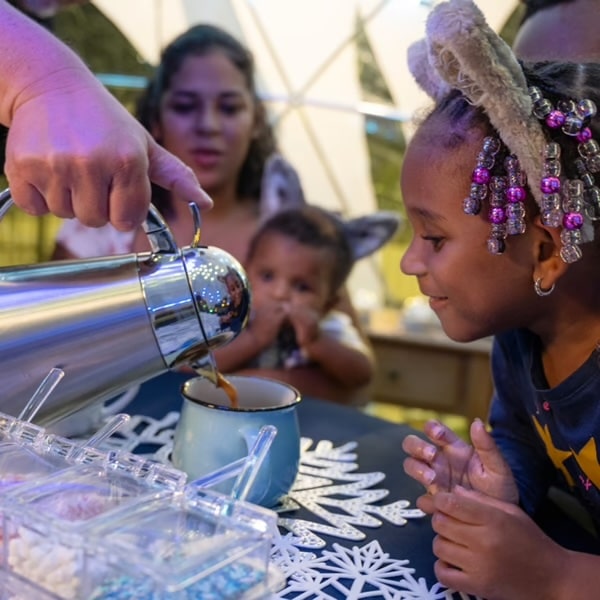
(449, 461)
(74, 151)
(493, 550)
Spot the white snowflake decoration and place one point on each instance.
(328, 479)
(351, 573)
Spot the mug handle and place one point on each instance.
(117, 405)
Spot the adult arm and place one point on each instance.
(72, 148)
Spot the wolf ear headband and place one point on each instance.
(462, 52)
(282, 190)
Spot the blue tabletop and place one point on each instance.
(378, 448)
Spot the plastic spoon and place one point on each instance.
(256, 456)
(245, 468)
(107, 430)
(103, 433)
(41, 394)
(219, 475)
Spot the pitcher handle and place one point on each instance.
(5, 202)
(159, 235)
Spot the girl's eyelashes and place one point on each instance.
(436, 241)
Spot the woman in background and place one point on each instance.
(202, 105)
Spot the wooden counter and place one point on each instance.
(423, 368)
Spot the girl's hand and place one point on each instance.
(492, 549)
(449, 461)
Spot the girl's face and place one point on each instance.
(474, 293)
(207, 119)
(284, 270)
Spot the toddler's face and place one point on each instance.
(474, 293)
(235, 288)
(283, 270)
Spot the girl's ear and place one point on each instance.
(369, 233)
(281, 188)
(549, 266)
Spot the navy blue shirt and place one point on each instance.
(547, 435)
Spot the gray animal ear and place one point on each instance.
(281, 188)
(368, 233)
(424, 73)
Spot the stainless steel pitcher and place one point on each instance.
(116, 321)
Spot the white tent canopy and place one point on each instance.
(308, 71)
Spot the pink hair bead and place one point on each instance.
(497, 215)
(549, 185)
(573, 220)
(555, 119)
(481, 175)
(585, 135)
(515, 193)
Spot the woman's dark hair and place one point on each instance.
(315, 227)
(199, 41)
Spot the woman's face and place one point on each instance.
(207, 119)
(474, 293)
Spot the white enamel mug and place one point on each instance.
(210, 434)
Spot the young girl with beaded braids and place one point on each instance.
(501, 183)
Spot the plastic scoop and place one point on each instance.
(245, 468)
(103, 433)
(41, 394)
(255, 458)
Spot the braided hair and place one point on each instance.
(557, 82)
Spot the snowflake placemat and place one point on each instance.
(342, 499)
(330, 487)
(356, 573)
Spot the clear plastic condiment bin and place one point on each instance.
(47, 523)
(77, 523)
(28, 455)
(83, 533)
(197, 544)
(13, 587)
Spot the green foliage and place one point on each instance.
(102, 46)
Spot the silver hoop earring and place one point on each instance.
(539, 290)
